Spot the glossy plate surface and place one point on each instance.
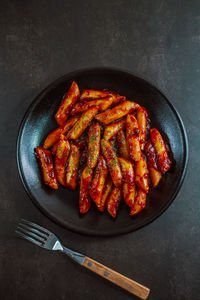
(62, 205)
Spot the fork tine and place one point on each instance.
(31, 234)
(27, 238)
(32, 229)
(36, 226)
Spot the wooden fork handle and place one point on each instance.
(124, 282)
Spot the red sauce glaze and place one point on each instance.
(118, 97)
(122, 144)
(106, 191)
(114, 201)
(83, 122)
(99, 179)
(141, 174)
(81, 142)
(140, 202)
(80, 171)
(151, 155)
(94, 136)
(82, 106)
(141, 198)
(68, 101)
(113, 143)
(127, 170)
(54, 148)
(53, 136)
(93, 94)
(73, 179)
(61, 156)
(164, 162)
(86, 92)
(129, 193)
(133, 131)
(46, 163)
(117, 112)
(132, 136)
(141, 117)
(84, 199)
(113, 128)
(83, 157)
(72, 168)
(112, 162)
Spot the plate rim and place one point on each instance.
(76, 228)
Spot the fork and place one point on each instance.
(42, 237)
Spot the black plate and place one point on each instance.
(62, 205)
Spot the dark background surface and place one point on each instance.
(42, 40)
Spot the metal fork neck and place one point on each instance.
(78, 257)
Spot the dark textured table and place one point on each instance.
(42, 40)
